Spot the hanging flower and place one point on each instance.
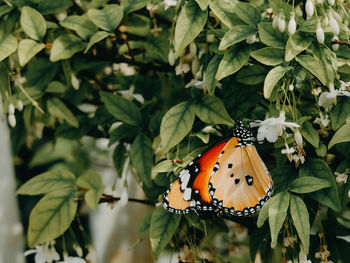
(19, 105)
(341, 178)
(331, 2)
(281, 23)
(289, 241)
(323, 255)
(170, 3)
(288, 152)
(333, 24)
(171, 57)
(130, 95)
(316, 91)
(309, 8)
(303, 257)
(275, 21)
(292, 25)
(325, 21)
(75, 82)
(44, 253)
(327, 99)
(298, 138)
(182, 68)
(12, 120)
(272, 128)
(320, 33)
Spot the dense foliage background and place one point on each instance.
(162, 80)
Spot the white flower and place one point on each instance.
(341, 178)
(323, 255)
(298, 158)
(129, 94)
(151, 7)
(210, 38)
(11, 109)
(325, 21)
(171, 57)
(272, 128)
(281, 23)
(320, 33)
(346, 238)
(333, 24)
(291, 87)
(108, 70)
(91, 256)
(316, 91)
(73, 260)
(12, 120)
(124, 198)
(74, 81)
(289, 241)
(195, 83)
(303, 257)
(275, 21)
(292, 25)
(328, 98)
(335, 47)
(251, 39)
(309, 8)
(298, 138)
(323, 120)
(169, 3)
(331, 2)
(78, 249)
(287, 150)
(44, 253)
(320, 2)
(182, 68)
(19, 105)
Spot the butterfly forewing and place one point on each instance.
(241, 184)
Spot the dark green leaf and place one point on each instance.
(121, 108)
(212, 110)
(80, 24)
(107, 18)
(65, 46)
(312, 65)
(210, 73)
(342, 135)
(48, 182)
(27, 49)
(252, 75)
(300, 217)
(310, 134)
(189, 24)
(249, 13)
(224, 11)
(270, 36)
(296, 44)
(119, 156)
(141, 156)
(163, 227)
(133, 5)
(308, 184)
(145, 226)
(97, 37)
(58, 109)
(236, 34)
(277, 213)
(270, 56)
(176, 124)
(340, 112)
(53, 7)
(329, 196)
(121, 132)
(234, 59)
(263, 214)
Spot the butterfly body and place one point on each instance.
(229, 177)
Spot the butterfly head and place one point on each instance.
(245, 136)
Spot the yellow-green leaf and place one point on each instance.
(93, 182)
(27, 49)
(33, 23)
(342, 135)
(58, 109)
(272, 79)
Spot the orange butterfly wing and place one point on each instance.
(241, 184)
(190, 189)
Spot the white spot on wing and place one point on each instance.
(187, 194)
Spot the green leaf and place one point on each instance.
(235, 35)
(310, 134)
(56, 87)
(27, 49)
(52, 216)
(164, 166)
(342, 135)
(270, 36)
(58, 109)
(176, 124)
(107, 18)
(133, 5)
(234, 59)
(121, 108)
(8, 45)
(327, 60)
(300, 217)
(270, 56)
(308, 184)
(189, 24)
(122, 131)
(145, 226)
(119, 156)
(212, 110)
(80, 24)
(249, 13)
(272, 78)
(93, 182)
(313, 66)
(224, 11)
(277, 213)
(263, 214)
(65, 46)
(48, 182)
(97, 37)
(340, 112)
(296, 44)
(141, 156)
(210, 72)
(252, 75)
(328, 196)
(33, 23)
(53, 7)
(203, 4)
(163, 227)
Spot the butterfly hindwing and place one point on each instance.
(241, 184)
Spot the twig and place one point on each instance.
(110, 199)
(340, 42)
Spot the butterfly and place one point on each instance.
(229, 177)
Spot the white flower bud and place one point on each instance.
(11, 109)
(333, 24)
(320, 33)
(193, 49)
(298, 138)
(12, 120)
(325, 21)
(210, 38)
(281, 23)
(251, 39)
(75, 82)
(292, 25)
(291, 87)
(275, 21)
(108, 70)
(320, 2)
(335, 47)
(20, 105)
(331, 2)
(309, 8)
(171, 57)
